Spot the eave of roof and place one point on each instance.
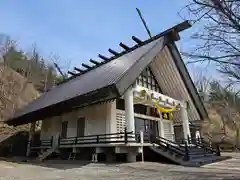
(89, 88)
(99, 96)
(109, 92)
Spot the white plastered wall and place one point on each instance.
(99, 119)
(95, 119)
(50, 127)
(111, 121)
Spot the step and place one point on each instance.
(201, 156)
(167, 154)
(199, 152)
(205, 160)
(195, 149)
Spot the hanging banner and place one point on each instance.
(160, 110)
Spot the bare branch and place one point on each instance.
(219, 39)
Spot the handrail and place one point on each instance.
(42, 142)
(208, 146)
(175, 148)
(94, 135)
(167, 141)
(172, 142)
(201, 143)
(122, 137)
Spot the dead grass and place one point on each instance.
(213, 129)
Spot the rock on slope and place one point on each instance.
(15, 93)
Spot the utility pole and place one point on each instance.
(144, 22)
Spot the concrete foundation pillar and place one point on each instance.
(75, 150)
(131, 157)
(110, 157)
(94, 157)
(95, 153)
(30, 137)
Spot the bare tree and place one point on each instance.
(6, 43)
(219, 40)
(201, 81)
(226, 101)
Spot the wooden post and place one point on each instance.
(76, 139)
(188, 139)
(97, 139)
(59, 139)
(186, 151)
(51, 141)
(30, 137)
(218, 150)
(167, 146)
(198, 140)
(125, 136)
(142, 141)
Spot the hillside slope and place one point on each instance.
(219, 130)
(15, 93)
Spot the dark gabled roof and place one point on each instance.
(101, 83)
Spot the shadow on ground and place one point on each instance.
(56, 164)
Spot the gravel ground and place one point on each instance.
(56, 170)
(131, 171)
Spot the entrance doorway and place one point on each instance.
(80, 126)
(168, 130)
(149, 127)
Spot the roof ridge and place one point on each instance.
(175, 29)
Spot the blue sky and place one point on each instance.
(78, 30)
